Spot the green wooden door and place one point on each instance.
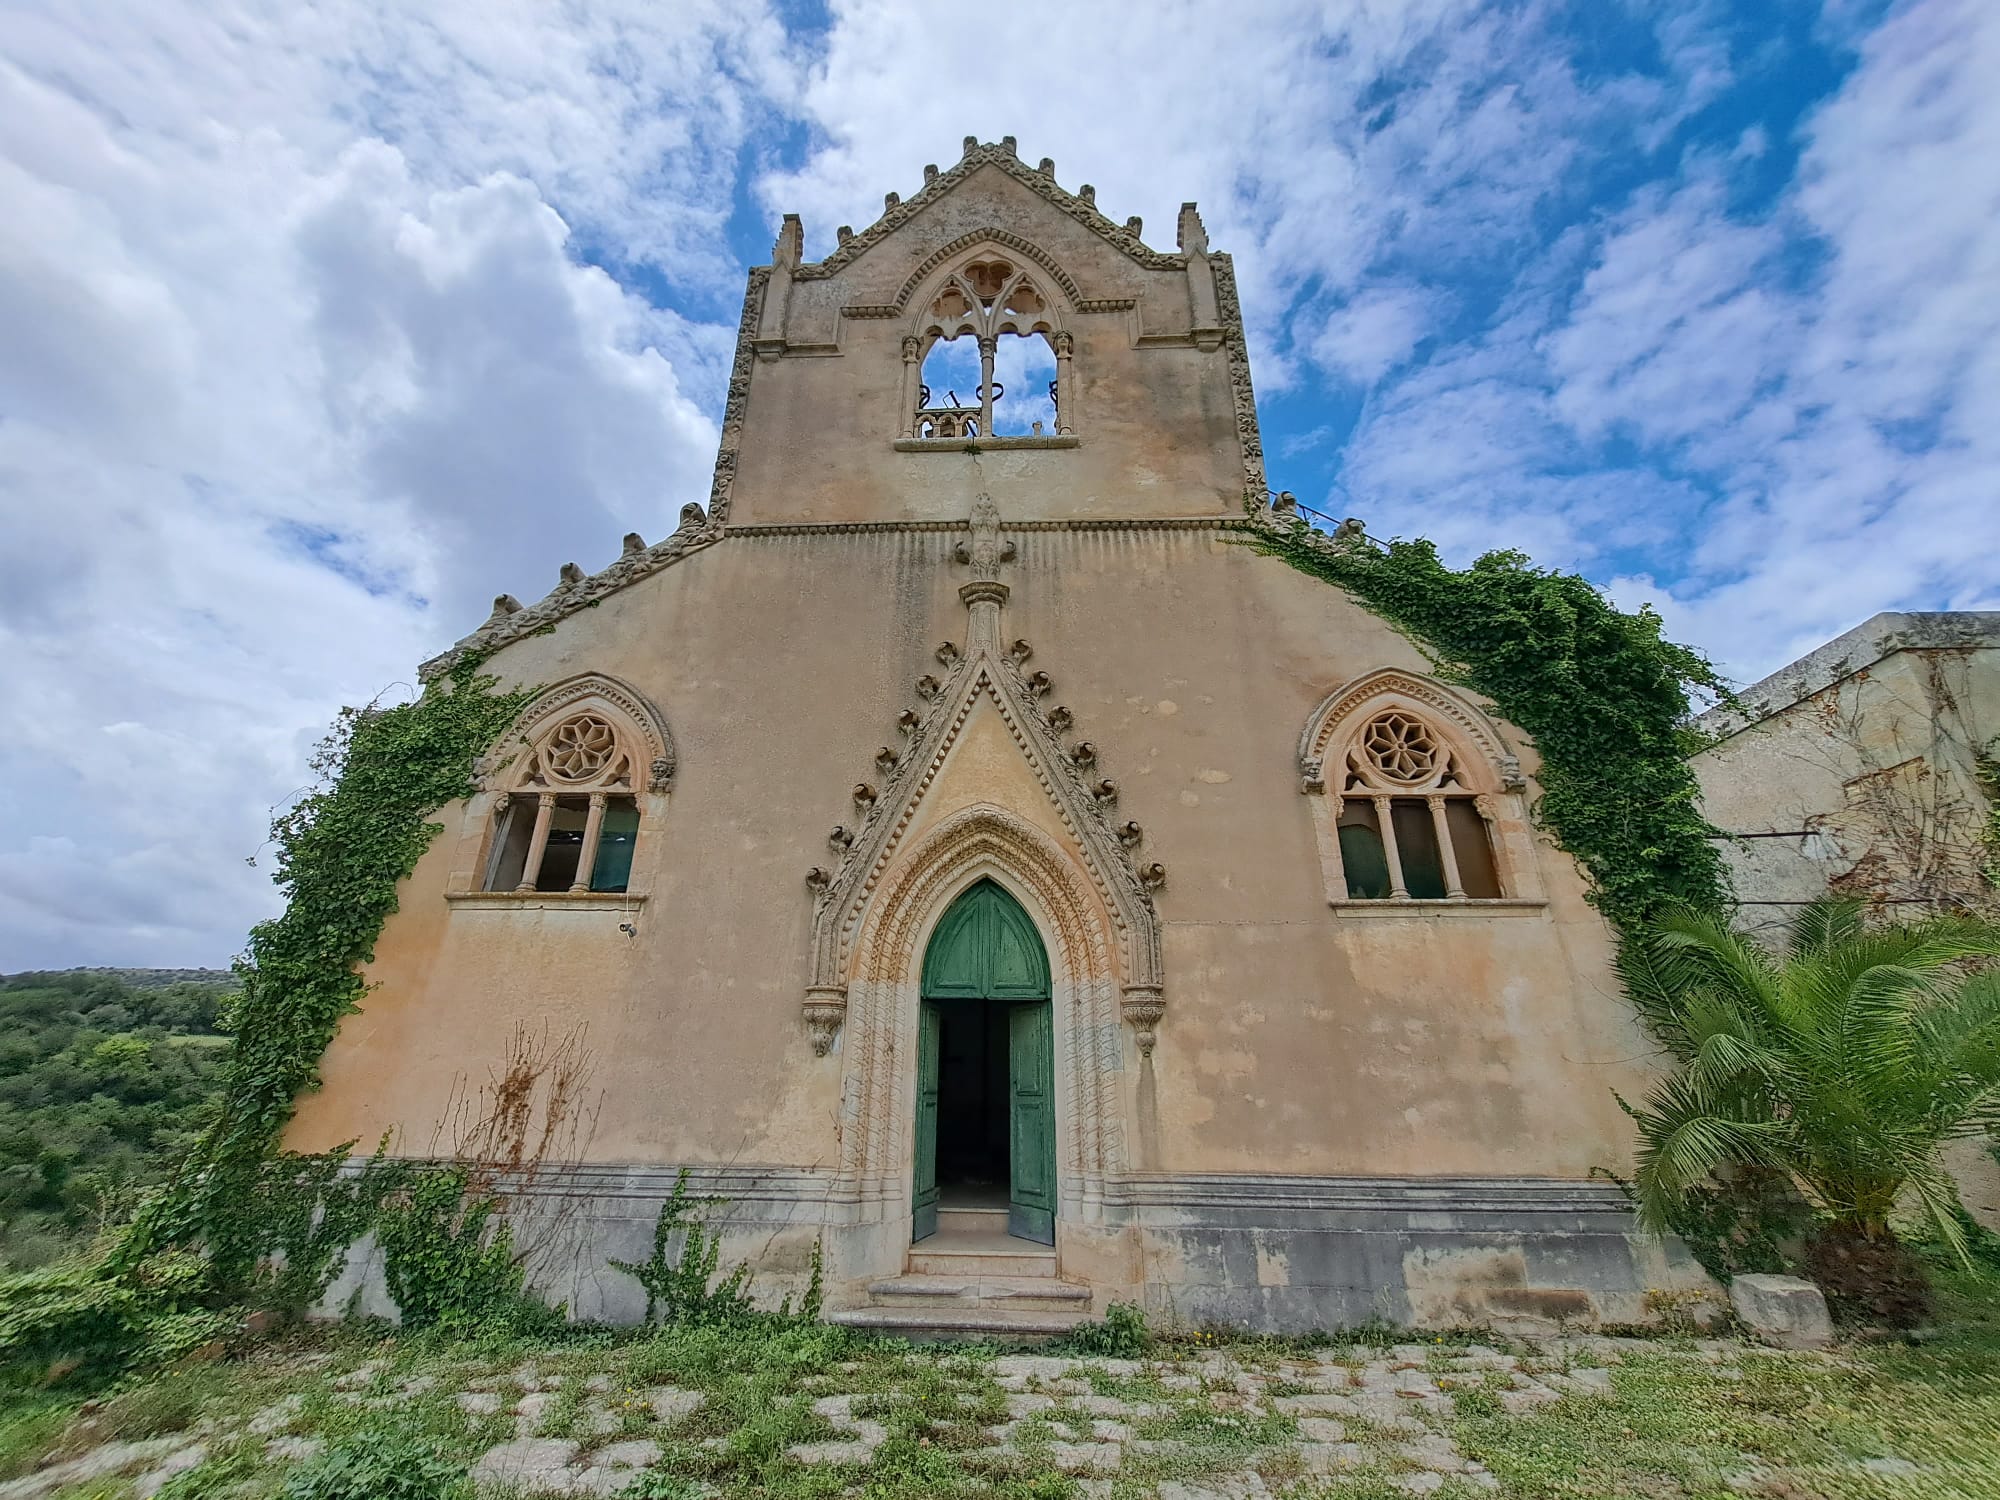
(924, 1206)
(1031, 1121)
(986, 948)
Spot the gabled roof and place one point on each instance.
(1039, 180)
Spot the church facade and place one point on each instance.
(960, 851)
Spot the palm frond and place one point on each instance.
(1826, 923)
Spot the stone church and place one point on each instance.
(959, 850)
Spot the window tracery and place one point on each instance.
(987, 301)
(1417, 780)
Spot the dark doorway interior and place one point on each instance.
(972, 1160)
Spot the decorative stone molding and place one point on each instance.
(986, 670)
(1486, 762)
(1076, 205)
(1242, 397)
(1142, 1006)
(886, 960)
(825, 1009)
(963, 245)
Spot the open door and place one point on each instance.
(924, 1204)
(1031, 1122)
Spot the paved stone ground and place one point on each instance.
(1214, 1426)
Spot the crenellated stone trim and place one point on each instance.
(723, 483)
(1241, 393)
(1136, 523)
(1003, 157)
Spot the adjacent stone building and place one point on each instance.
(1863, 768)
(957, 849)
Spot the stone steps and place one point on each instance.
(1040, 1292)
(949, 1322)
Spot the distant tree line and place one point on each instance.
(106, 1078)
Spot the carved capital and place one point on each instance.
(1143, 1005)
(825, 1009)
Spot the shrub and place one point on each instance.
(77, 1319)
(1122, 1335)
(380, 1463)
(447, 1263)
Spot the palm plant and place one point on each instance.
(1845, 1063)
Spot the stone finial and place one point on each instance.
(890, 200)
(1350, 530)
(1135, 225)
(571, 573)
(790, 244)
(984, 550)
(971, 144)
(634, 543)
(844, 233)
(504, 605)
(1191, 234)
(1007, 144)
(1088, 194)
(1142, 1006)
(692, 517)
(930, 173)
(1047, 167)
(1286, 505)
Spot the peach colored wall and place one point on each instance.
(1295, 1039)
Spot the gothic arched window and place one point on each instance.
(990, 359)
(568, 794)
(1416, 786)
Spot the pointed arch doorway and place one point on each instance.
(985, 1136)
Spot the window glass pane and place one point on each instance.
(614, 845)
(1361, 857)
(1417, 848)
(1472, 848)
(510, 848)
(565, 844)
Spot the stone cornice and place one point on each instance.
(1002, 156)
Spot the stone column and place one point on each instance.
(593, 826)
(912, 378)
(538, 841)
(988, 346)
(1387, 828)
(1453, 886)
(1064, 344)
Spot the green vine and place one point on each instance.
(1987, 768)
(342, 852)
(1601, 692)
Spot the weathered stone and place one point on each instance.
(479, 1403)
(1331, 1458)
(526, 1463)
(112, 1458)
(1321, 1430)
(1316, 1404)
(1085, 1458)
(277, 1416)
(670, 1404)
(154, 1480)
(1782, 1310)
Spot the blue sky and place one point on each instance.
(328, 320)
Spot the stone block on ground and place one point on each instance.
(1085, 1458)
(1782, 1310)
(526, 1464)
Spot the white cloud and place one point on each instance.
(304, 364)
(1373, 332)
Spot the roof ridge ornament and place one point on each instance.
(984, 550)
